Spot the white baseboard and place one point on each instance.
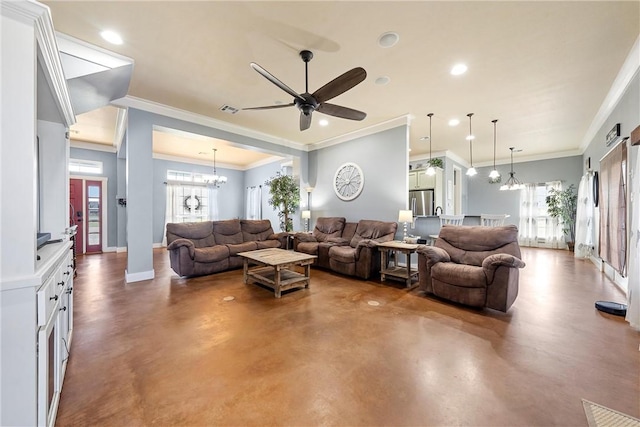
(138, 277)
(159, 245)
(110, 249)
(596, 261)
(121, 249)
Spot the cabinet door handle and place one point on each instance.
(63, 308)
(55, 297)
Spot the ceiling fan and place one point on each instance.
(307, 102)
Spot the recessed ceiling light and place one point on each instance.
(454, 122)
(458, 69)
(424, 138)
(111, 37)
(323, 122)
(388, 39)
(382, 80)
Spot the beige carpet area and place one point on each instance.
(601, 416)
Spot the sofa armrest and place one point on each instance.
(178, 243)
(434, 254)
(277, 236)
(304, 237)
(492, 262)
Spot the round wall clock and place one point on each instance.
(348, 181)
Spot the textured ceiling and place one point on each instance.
(542, 68)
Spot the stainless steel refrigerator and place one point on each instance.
(421, 202)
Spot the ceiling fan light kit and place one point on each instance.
(307, 102)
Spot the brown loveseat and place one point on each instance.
(473, 265)
(346, 247)
(200, 248)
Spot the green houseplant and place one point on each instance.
(436, 163)
(285, 196)
(563, 205)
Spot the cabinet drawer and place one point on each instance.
(49, 297)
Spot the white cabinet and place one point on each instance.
(34, 283)
(419, 180)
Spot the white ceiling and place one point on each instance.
(542, 68)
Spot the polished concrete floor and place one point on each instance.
(172, 351)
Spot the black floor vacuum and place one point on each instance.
(610, 307)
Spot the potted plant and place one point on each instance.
(436, 163)
(285, 196)
(563, 205)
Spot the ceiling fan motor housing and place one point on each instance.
(307, 106)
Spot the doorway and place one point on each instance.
(87, 210)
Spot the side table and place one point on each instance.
(394, 270)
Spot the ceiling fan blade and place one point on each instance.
(340, 111)
(340, 84)
(305, 121)
(273, 79)
(269, 107)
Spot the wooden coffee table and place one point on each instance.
(275, 268)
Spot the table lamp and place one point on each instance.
(405, 216)
(306, 215)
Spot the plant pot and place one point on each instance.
(572, 246)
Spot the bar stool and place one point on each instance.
(492, 220)
(446, 219)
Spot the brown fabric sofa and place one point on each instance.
(473, 265)
(200, 248)
(346, 247)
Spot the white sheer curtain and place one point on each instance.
(169, 213)
(633, 290)
(585, 229)
(214, 213)
(536, 228)
(254, 203)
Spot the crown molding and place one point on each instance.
(380, 127)
(86, 145)
(629, 68)
(187, 116)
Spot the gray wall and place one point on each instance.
(487, 198)
(109, 170)
(384, 162)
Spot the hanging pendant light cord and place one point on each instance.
(470, 140)
(494, 143)
(430, 115)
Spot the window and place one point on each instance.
(536, 227)
(85, 166)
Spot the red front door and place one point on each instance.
(76, 212)
(93, 221)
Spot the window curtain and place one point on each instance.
(170, 210)
(214, 213)
(613, 225)
(536, 228)
(254, 203)
(633, 290)
(585, 229)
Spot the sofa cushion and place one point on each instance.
(345, 254)
(467, 276)
(472, 244)
(242, 247)
(327, 227)
(374, 230)
(211, 254)
(255, 229)
(200, 233)
(227, 231)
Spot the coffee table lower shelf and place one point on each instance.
(288, 278)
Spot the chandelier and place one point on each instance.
(512, 183)
(216, 180)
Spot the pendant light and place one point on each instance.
(216, 180)
(512, 183)
(430, 170)
(494, 175)
(471, 171)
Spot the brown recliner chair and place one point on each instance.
(473, 265)
(360, 257)
(328, 231)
